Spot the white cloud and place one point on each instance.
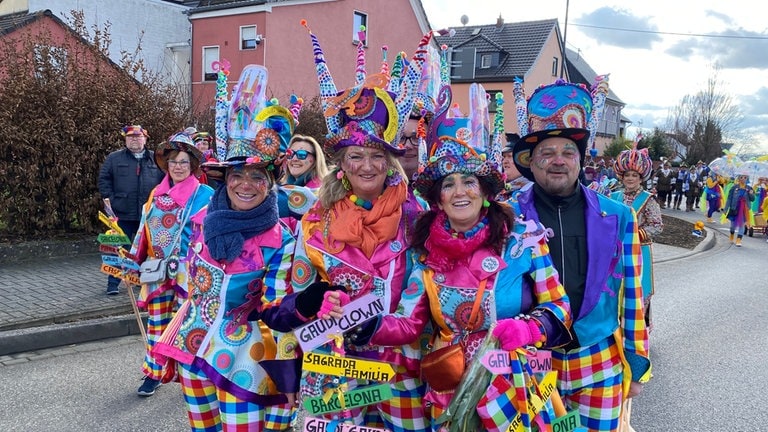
(662, 60)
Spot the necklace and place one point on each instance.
(467, 234)
(361, 202)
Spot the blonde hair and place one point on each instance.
(333, 190)
(320, 167)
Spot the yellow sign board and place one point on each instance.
(130, 278)
(348, 367)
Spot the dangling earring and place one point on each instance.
(344, 180)
(486, 203)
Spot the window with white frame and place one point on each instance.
(359, 20)
(555, 64)
(210, 55)
(486, 61)
(492, 105)
(248, 38)
(50, 61)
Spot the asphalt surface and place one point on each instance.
(51, 302)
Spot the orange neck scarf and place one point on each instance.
(366, 229)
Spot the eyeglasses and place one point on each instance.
(411, 139)
(300, 154)
(237, 176)
(181, 163)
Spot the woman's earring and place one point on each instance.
(486, 203)
(344, 180)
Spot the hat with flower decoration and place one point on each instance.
(367, 114)
(133, 130)
(180, 141)
(561, 109)
(250, 129)
(634, 160)
(463, 144)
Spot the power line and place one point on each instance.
(672, 33)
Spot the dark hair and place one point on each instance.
(501, 219)
(194, 164)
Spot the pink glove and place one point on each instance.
(327, 306)
(515, 333)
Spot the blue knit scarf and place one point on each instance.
(226, 230)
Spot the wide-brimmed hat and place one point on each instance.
(370, 113)
(455, 146)
(250, 128)
(133, 130)
(179, 141)
(561, 109)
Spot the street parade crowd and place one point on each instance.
(417, 271)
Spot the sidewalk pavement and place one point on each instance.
(53, 302)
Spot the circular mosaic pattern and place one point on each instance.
(172, 266)
(462, 313)
(268, 142)
(573, 118)
(208, 310)
(286, 345)
(162, 238)
(194, 340)
(301, 272)
(223, 361)
(202, 279)
(237, 337)
(242, 378)
(154, 222)
(165, 203)
(364, 105)
(169, 220)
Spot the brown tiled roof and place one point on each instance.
(519, 43)
(11, 22)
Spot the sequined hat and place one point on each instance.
(561, 109)
(367, 114)
(180, 141)
(463, 144)
(634, 160)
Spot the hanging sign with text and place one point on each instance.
(358, 311)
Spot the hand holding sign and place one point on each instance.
(333, 302)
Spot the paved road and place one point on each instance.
(708, 347)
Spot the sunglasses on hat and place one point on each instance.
(300, 154)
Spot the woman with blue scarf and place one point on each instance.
(234, 372)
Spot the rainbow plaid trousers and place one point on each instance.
(212, 409)
(160, 310)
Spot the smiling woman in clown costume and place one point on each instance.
(355, 237)
(233, 372)
(480, 266)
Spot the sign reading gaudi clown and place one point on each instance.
(358, 311)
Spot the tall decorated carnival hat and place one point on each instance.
(464, 145)
(180, 141)
(634, 160)
(250, 129)
(561, 109)
(370, 113)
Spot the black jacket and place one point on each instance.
(127, 182)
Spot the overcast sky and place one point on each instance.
(656, 51)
